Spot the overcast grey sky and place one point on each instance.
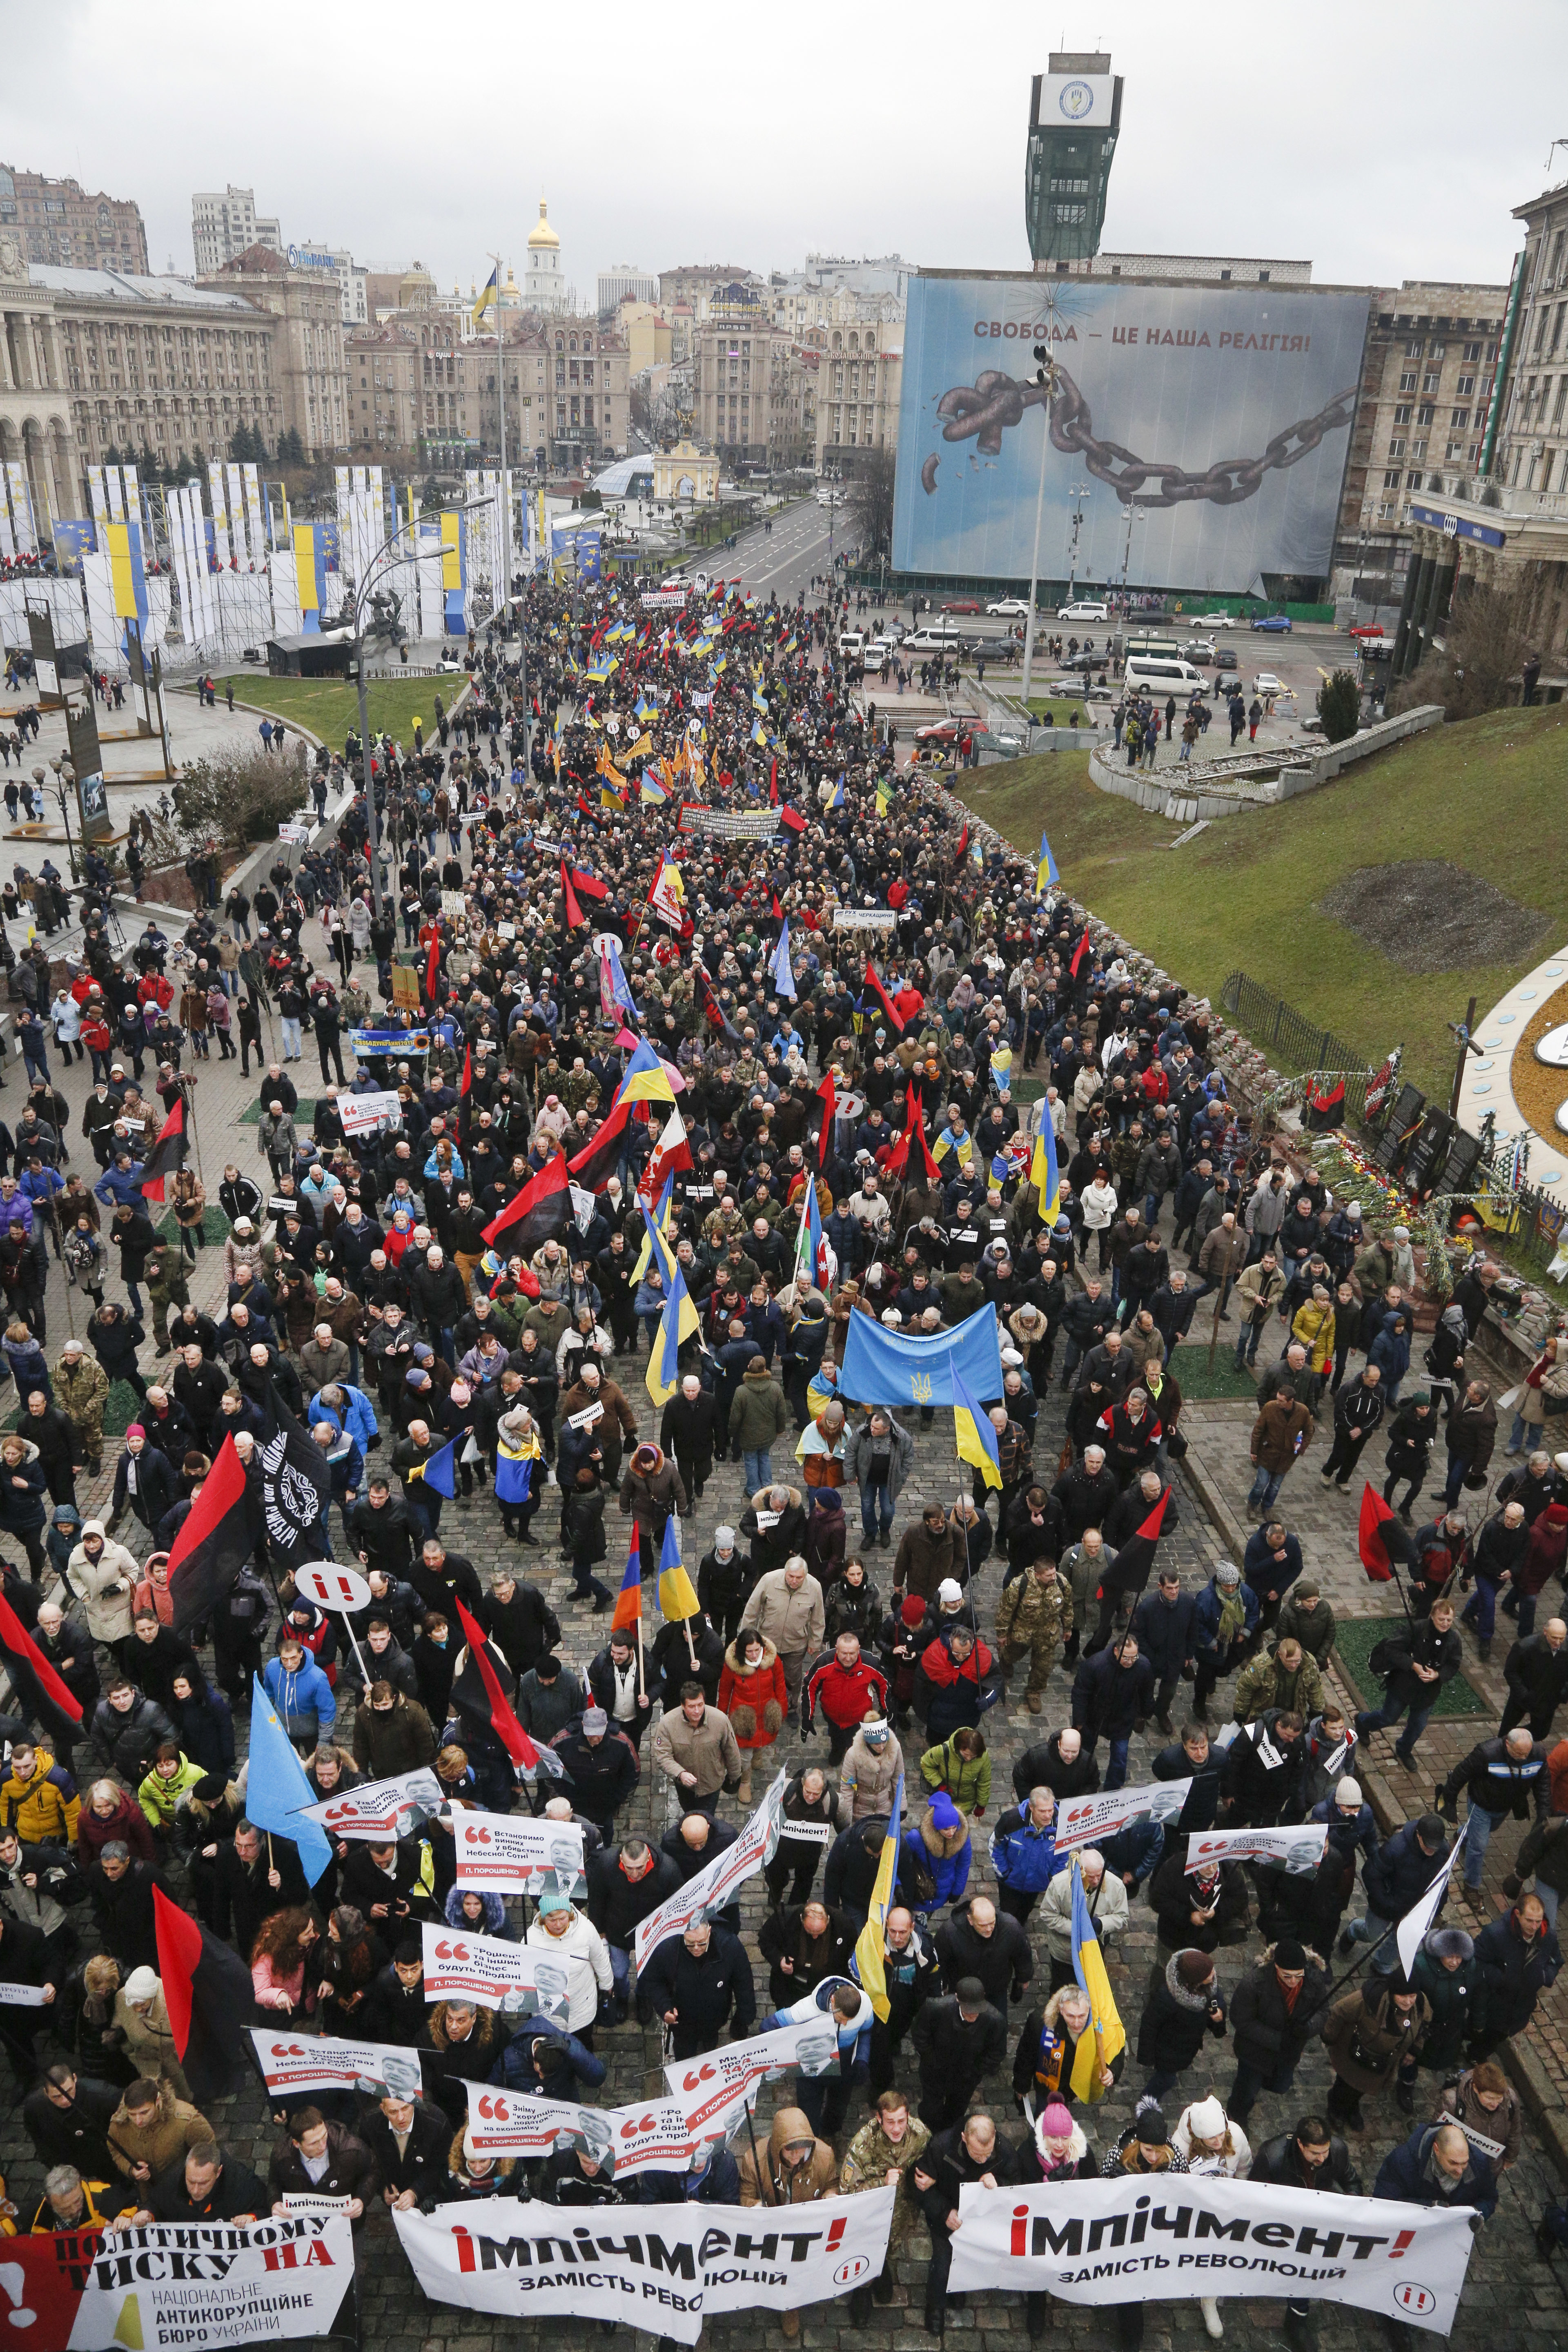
(1380, 143)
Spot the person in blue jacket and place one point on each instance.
(120, 1185)
(712, 2176)
(1024, 1852)
(1438, 2165)
(547, 2061)
(301, 1693)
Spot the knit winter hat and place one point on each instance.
(949, 1590)
(142, 1984)
(944, 1812)
(1227, 1572)
(1288, 1954)
(1348, 1793)
(1193, 1969)
(1057, 2121)
(1206, 2119)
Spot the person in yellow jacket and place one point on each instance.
(173, 1774)
(1314, 1325)
(39, 1798)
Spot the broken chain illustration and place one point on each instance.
(996, 401)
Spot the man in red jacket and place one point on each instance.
(848, 1691)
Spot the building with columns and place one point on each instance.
(1503, 524)
(37, 426)
(307, 362)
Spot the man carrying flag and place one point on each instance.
(1043, 1172)
(168, 1152)
(530, 1759)
(679, 1323)
(870, 1962)
(1100, 2045)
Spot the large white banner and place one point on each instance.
(169, 2283)
(1301, 1850)
(709, 2084)
(380, 1810)
(1084, 1821)
(509, 1854)
(653, 2135)
(303, 2062)
(663, 2268)
(713, 1885)
(493, 1972)
(1139, 2240)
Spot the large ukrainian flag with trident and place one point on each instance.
(1106, 2039)
(869, 1958)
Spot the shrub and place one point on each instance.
(1339, 706)
(242, 796)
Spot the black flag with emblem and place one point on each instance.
(296, 1487)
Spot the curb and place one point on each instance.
(1537, 2093)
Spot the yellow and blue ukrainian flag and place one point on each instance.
(1043, 1174)
(1106, 2039)
(869, 1956)
(976, 1438)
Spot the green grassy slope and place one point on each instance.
(328, 706)
(1487, 796)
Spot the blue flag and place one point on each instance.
(276, 1789)
(890, 1368)
(440, 1472)
(782, 978)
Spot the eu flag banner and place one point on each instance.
(893, 1367)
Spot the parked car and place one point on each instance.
(942, 730)
(962, 604)
(1226, 660)
(1199, 650)
(1010, 608)
(1216, 621)
(1365, 629)
(1267, 683)
(1273, 624)
(1083, 611)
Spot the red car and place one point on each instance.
(962, 604)
(1367, 629)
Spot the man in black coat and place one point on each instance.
(1084, 1494)
(122, 1915)
(973, 2151)
(959, 2040)
(613, 1684)
(248, 1886)
(68, 2117)
(699, 1983)
(1537, 1672)
(398, 2009)
(1396, 1877)
(519, 1619)
(1275, 2011)
(1264, 1767)
(408, 2140)
(209, 2186)
(1162, 1622)
(601, 1767)
(1061, 1764)
(626, 1883)
(1111, 1694)
(1311, 2156)
(1193, 1758)
(980, 1942)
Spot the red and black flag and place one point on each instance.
(575, 915)
(1326, 1103)
(712, 1010)
(214, 1543)
(540, 1212)
(914, 1131)
(1136, 1556)
(525, 1753)
(168, 1152)
(1380, 1540)
(432, 965)
(210, 1999)
(39, 1693)
(821, 1134)
(962, 843)
(1080, 952)
(791, 817)
(876, 988)
(588, 886)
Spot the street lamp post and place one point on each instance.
(361, 595)
(1046, 373)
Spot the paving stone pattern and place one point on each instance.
(1507, 2275)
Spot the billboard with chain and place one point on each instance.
(1200, 431)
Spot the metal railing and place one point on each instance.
(1292, 1043)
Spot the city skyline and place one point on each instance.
(862, 152)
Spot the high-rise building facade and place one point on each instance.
(1075, 115)
(615, 284)
(56, 221)
(226, 225)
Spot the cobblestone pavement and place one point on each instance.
(1506, 2273)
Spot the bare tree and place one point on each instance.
(1484, 649)
(872, 498)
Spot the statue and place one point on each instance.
(386, 621)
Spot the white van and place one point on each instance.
(851, 645)
(1160, 675)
